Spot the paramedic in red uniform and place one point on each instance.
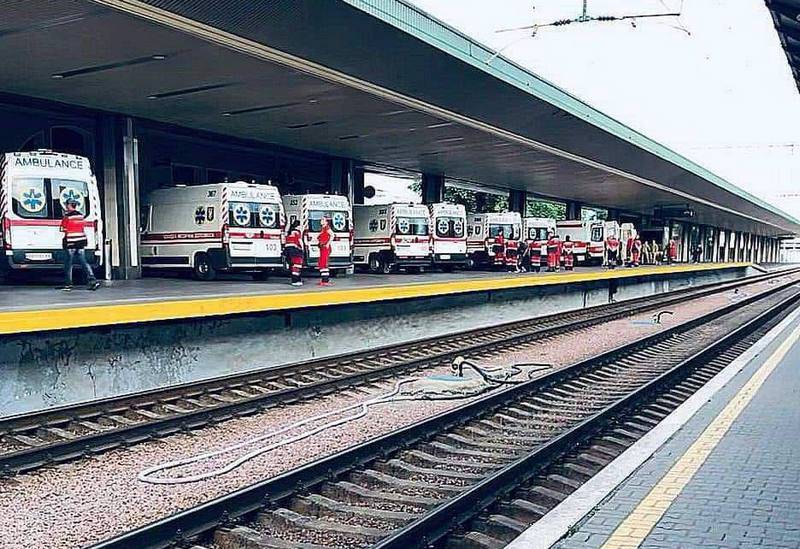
(554, 253)
(535, 249)
(569, 258)
(325, 238)
(612, 251)
(294, 252)
(499, 249)
(672, 251)
(636, 251)
(72, 225)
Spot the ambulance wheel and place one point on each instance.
(203, 269)
(374, 263)
(386, 267)
(470, 264)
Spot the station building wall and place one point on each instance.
(165, 155)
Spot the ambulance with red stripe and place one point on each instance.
(448, 235)
(34, 189)
(220, 227)
(578, 233)
(309, 209)
(482, 232)
(392, 236)
(537, 231)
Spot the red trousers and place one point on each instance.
(324, 257)
(552, 259)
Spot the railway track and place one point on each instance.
(428, 484)
(30, 441)
(58, 435)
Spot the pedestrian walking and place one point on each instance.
(294, 252)
(524, 257)
(324, 243)
(74, 242)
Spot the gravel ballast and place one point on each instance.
(86, 501)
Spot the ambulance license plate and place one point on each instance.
(39, 256)
(445, 256)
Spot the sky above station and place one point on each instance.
(713, 84)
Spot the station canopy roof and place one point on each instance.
(374, 80)
(786, 15)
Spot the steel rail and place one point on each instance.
(223, 510)
(468, 504)
(38, 456)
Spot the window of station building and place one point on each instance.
(217, 176)
(68, 140)
(185, 175)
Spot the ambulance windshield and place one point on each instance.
(450, 227)
(417, 226)
(506, 229)
(339, 220)
(254, 215)
(45, 198)
(537, 233)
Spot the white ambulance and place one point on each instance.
(598, 232)
(391, 236)
(482, 230)
(211, 228)
(578, 232)
(448, 235)
(309, 209)
(536, 231)
(34, 189)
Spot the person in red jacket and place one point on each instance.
(324, 243)
(567, 252)
(636, 251)
(294, 252)
(499, 249)
(73, 226)
(554, 253)
(672, 251)
(612, 251)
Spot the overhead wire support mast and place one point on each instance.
(584, 17)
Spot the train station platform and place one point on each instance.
(25, 309)
(726, 475)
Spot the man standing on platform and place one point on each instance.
(294, 252)
(553, 253)
(672, 251)
(636, 250)
(612, 251)
(569, 258)
(324, 243)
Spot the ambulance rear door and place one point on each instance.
(411, 236)
(255, 215)
(449, 238)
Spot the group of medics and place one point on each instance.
(527, 257)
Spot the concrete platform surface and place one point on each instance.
(729, 478)
(38, 308)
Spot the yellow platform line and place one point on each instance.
(638, 525)
(34, 320)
